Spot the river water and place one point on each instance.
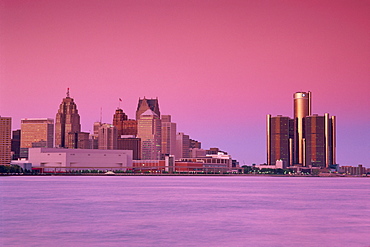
(184, 211)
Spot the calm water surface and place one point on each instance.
(184, 211)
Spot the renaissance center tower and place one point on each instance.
(307, 140)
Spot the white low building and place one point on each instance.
(60, 159)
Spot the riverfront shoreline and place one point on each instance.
(187, 175)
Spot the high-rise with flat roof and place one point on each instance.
(168, 135)
(5, 140)
(16, 144)
(67, 121)
(107, 138)
(279, 140)
(37, 132)
(319, 141)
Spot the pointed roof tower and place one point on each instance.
(145, 104)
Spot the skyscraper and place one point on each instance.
(149, 131)
(36, 133)
(107, 138)
(302, 109)
(279, 140)
(145, 104)
(319, 141)
(124, 125)
(118, 118)
(306, 140)
(16, 144)
(182, 146)
(67, 121)
(5, 140)
(168, 135)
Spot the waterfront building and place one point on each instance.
(36, 132)
(5, 140)
(168, 135)
(64, 160)
(16, 144)
(319, 141)
(279, 139)
(107, 137)
(302, 109)
(130, 142)
(306, 140)
(354, 170)
(149, 131)
(67, 121)
(146, 104)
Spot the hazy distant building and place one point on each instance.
(16, 144)
(107, 138)
(5, 140)
(195, 144)
(145, 104)
(149, 131)
(306, 140)
(182, 146)
(197, 152)
(36, 132)
(67, 121)
(168, 135)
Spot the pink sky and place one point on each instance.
(218, 67)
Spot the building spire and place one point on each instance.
(67, 92)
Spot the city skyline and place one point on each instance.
(218, 68)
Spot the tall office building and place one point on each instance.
(118, 118)
(319, 141)
(5, 140)
(107, 138)
(149, 131)
(306, 140)
(145, 104)
(67, 121)
(279, 140)
(182, 146)
(302, 109)
(36, 133)
(168, 135)
(124, 125)
(16, 144)
(130, 143)
(77, 140)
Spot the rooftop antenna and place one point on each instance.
(101, 113)
(67, 92)
(119, 103)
